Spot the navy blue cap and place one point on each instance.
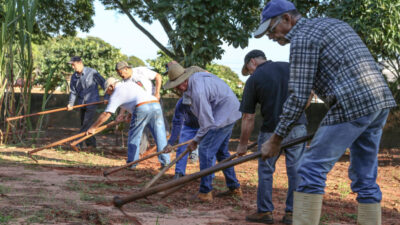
(272, 9)
(75, 59)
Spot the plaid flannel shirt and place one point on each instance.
(326, 55)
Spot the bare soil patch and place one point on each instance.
(67, 187)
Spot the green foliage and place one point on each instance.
(59, 17)
(16, 61)
(134, 61)
(376, 21)
(95, 53)
(200, 26)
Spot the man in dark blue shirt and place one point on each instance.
(268, 86)
(84, 89)
(185, 126)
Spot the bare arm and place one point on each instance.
(158, 80)
(246, 129)
(104, 116)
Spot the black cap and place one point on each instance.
(252, 54)
(75, 59)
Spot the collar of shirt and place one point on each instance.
(81, 74)
(295, 28)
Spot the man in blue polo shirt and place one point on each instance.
(327, 56)
(268, 86)
(185, 126)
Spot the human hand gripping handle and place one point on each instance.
(241, 149)
(272, 147)
(91, 130)
(69, 107)
(168, 148)
(192, 145)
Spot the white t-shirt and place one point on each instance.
(144, 75)
(127, 95)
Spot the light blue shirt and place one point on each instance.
(212, 102)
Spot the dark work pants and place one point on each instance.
(87, 118)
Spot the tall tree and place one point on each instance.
(196, 29)
(59, 17)
(94, 52)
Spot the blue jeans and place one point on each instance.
(266, 169)
(214, 145)
(186, 134)
(149, 115)
(362, 136)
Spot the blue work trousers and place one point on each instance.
(362, 136)
(88, 115)
(186, 134)
(149, 115)
(293, 156)
(214, 145)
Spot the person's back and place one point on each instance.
(268, 86)
(127, 95)
(327, 56)
(346, 75)
(223, 102)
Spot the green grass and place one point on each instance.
(4, 190)
(344, 189)
(351, 216)
(74, 185)
(91, 198)
(5, 219)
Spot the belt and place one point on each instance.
(142, 103)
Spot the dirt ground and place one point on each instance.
(67, 187)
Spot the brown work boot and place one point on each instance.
(203, 197)
(265, 217)
(237, 192)
(287, 218)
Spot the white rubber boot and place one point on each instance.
(306, 208)
(369, 214)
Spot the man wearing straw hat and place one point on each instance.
(217, 109)
(84, 89)
(145, 110)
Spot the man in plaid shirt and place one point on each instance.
(327, 56)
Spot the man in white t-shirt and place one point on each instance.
(144, 109)
(142, 76)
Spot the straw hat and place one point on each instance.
(177, 74)
(109, 81)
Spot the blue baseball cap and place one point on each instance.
(272, 9)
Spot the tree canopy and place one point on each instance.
(196, 29)
(95, 53)
(60, 17)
